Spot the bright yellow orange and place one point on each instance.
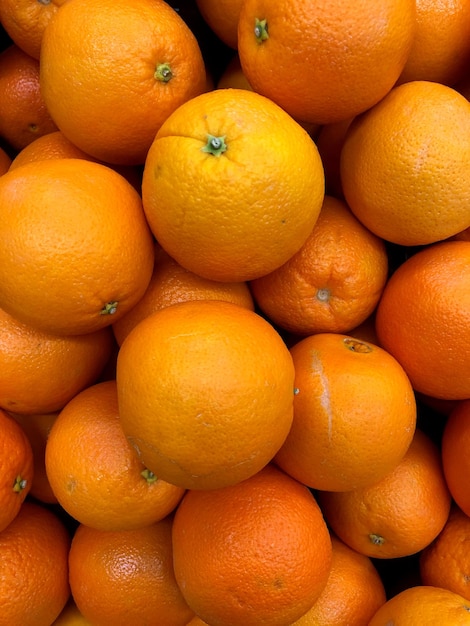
(222, 188)
(17, 469)
(126, 577)
(325, 62)
(216, 404)
(78, 252)
(93, 471)
(25, 115)
(455, 458)
(172, 283)
(43, 380)
(333, 283)
(112, 72)
(353, 593)
(404, 162)
(34, 585)
(258, 552)
(423, 316)
(398, 515)
(354, 413)
(446, 561)
(222, 17)
(424, 605)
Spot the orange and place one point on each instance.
(424, 605)
(172, 283)
(93, 471)
(34, 584)
(398, 515)
(354, 413)
(333, 283)
(423, 316)
(441, 47)
(205, 392)
(446, 561)
(5, 161)
(126, 577)
(37, 428)
(353, 593)
(25, 115)
(359, 50)
(25, 21)
(112, 72)
(71, 616)
(403, 164)
(232, 76)
(41, 372)
(17, 469)
(54, 145)
(223, 189)
(455, 459)
(258, 552)
(77, 251)
(222, 17)
(329, 140)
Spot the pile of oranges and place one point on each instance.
(234, 313)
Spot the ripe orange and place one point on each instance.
(112, 72)
(17, 469)
(172, 283)
(205, 392)
(404, 164)
(359, 50)
(34, 584)
(54, 145)
(398, 515)
(455, 458)
(446, 561)
(223, 189)
(5, 161)
(353, 593)
(71, 616)
(44, 379)
(24, 113)
(441, 46)
(354, 413)
(77, 251)
(333, 283)
(222, 17)
(25, 21)
(93, 471)
(424, 605)
(258, 552)
(126, 577)
(37, 428)
(423, 316)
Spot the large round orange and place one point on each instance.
(205, 392)
(93, 471)
(258, 552)
(172, 283)
(26, 20)
(446, 561)
(353, 593)
(325, 62)
(17, 470)
(34, 585)
(77, 252)
(424, 605)
(354, 413)
(112, 71)
(126, 577)
(404, 164)
(455, 458)
(333, 283)
(24, 113)
(423, 319)
(441, 46)
(222, 17)
(43, 380)
(398, 515)
(232, 185)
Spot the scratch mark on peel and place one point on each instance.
(325, 398)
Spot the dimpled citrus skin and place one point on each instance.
(240, 213)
